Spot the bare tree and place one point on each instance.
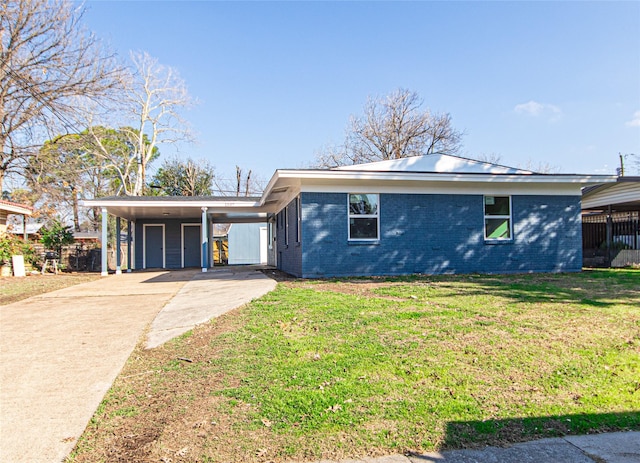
(539, 167)
(393, 127)
(47, 62)
(66, 171)
(241, 185)
(119, 151)
(157, 94)
(491, 158)
(184, 178)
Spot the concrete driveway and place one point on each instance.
(60, 352)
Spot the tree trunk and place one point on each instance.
(76, 214)
(3, 140)
(238, 180)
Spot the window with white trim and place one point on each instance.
(497, 218)
(364, 213)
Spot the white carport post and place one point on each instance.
(103, 244)
(205, 240)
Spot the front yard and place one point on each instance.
(14, 289)
(348, 368)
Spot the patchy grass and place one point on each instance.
(346, 368)
(14, 289)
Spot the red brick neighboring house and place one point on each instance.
(8, 208)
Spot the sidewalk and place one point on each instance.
(61, 351)
(616, 447)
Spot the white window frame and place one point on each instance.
(363, 216)
(508, 217)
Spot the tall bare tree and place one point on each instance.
(157, 94)
(184, 178)
(242, 185)
(47, 62)
(393, 127)
(119, 151)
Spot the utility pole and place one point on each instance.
(621, 170)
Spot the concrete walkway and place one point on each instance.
(60, 352)
(207, 295)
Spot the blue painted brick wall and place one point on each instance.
(289, 258)
(438, 234)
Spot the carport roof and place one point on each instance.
(623, 195)
(219, 208)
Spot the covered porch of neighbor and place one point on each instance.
(175, 232)
(611, 224)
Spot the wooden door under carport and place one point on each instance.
(191, 245)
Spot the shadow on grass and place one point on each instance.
(596, 288)
(504, 432)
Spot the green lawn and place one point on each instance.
(14, 289)
(346, 368)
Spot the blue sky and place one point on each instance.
(556, 83)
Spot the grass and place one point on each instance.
(346, 368)
(14, 289)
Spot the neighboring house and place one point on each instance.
(425, 214)
(9, 208)
(33, 230)
(611, 223)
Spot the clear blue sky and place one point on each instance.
(551, 82)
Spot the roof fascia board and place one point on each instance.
(453, 188)
(439, 177)
(16, 209)
(169, 204)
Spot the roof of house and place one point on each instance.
(436, 163)
(430, 174)
(15, 208)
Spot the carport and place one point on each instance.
(174, 231)
(611, 223)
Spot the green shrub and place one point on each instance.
(13, 246)
(56, 235)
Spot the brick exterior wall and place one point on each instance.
(289, 252)
(432, 234)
